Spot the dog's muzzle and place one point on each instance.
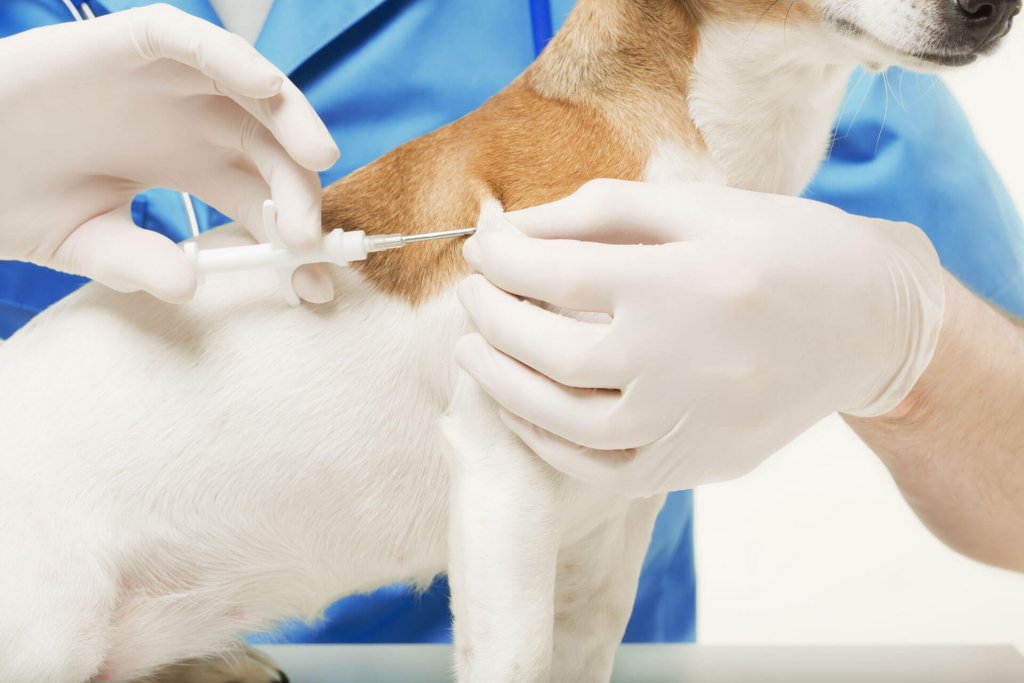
(979, 24)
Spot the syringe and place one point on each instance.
(338, 247)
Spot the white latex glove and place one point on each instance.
(95, 112)
(750, 318)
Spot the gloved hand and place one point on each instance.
(95, 112)
(745, 320)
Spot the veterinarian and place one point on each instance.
(380, 73)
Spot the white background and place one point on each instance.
(817, 546)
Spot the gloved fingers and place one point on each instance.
(626, 212)
(582, 416)
(237, 190)
(294, 189)
(562, 348)
(165, 32)
(229, 66)
(293, 122)
(313, 283)
(603, 210)
(112, 250)
(580, 276)
(600, 469)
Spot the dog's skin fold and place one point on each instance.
(177, 476)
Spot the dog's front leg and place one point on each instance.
(503, 545)
(596, 587)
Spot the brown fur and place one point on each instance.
(610, 85)
(519, 149)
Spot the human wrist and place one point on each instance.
(919, 401)
(912, 305)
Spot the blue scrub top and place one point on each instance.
(381, 72)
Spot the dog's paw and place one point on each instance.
(246, 666)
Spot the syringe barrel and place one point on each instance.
(232, 259)
(338, 247)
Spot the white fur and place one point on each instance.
(897, 29)
(175, 476)
(671, 162)
(178, 475)
(765, 99)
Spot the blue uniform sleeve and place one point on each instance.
(905, 151)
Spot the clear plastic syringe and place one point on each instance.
(338, 247)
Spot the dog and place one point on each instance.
(178, 476)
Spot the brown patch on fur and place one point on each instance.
(610, 86)
(519, 148)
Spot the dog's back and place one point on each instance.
(219, 465)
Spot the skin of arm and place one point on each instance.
(955, 445)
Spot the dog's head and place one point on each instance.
(916, 34)
(921, 33)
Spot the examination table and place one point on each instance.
(680, 664)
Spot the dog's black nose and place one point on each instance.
(985, 21)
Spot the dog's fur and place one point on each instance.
(176, 476)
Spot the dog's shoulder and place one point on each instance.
(519, 149)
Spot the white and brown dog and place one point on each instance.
(177, 476)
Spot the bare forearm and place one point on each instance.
(956, 445)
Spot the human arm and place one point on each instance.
(96, 112)
(766, 314)
(955, 445)
(735, 321)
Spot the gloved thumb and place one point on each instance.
(112, 250)
(604, 210)
(625, 212)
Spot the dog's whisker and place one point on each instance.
(885, 112)
(860, 107)
(785, 23)
(842, 109)
(932, 82)
(889, 89)
(757, 23)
